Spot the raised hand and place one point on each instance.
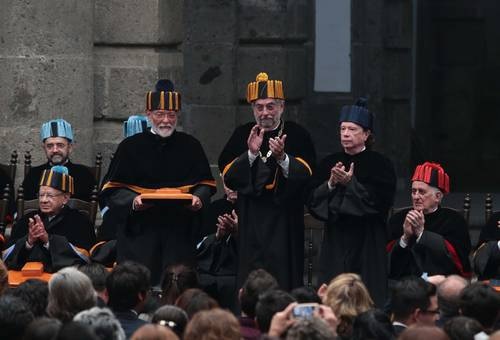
(255, 138)
(277, 147)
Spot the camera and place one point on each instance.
(304, 310)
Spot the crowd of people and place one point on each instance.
(167, 263)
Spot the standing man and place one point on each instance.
(268, 164)
(353, 191)
(162, 157)
(427, 239)
(57, 143)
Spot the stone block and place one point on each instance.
(107, 136)
(49, 29)
(286, 64)
(210, 21)
(209, 74)
(211, 125)
(397, 74)
(138, 22)
(261, 20)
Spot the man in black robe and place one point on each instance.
(426, 239)
(160, 234)
(486, 258)
(57, 142)
(353, 191)
(55, 235)
(268, 164)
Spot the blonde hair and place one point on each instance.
(214, 324)
(347, 296)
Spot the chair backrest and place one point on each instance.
(88, 208)
(4, 207)
(95, 170)
(10, 169)
(488, 207)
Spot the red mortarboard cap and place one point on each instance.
(432, 174)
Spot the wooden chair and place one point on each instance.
(88, 208)
(4, 209)
(96, 170)
(313, 235)
(10, 169)
(488, 207)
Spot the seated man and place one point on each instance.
(486, 258)
(54, 233)
(57, 141)
(428, 239)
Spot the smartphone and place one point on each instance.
(304, 310)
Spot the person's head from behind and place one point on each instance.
(128, 285)
(35, 294)
(172, 317)
(423, 333)
(102, 322)
(213, 324)
(70, 291)
(481, 302)
(4, 278)
(176, 279)
(56, 188)
(98, 274)
(448, 294)
(270, 303)
(347, 296)
(414, 301)
(372, 324)
(194, 300)
(429, 184)
(57, 141)
(257, 282)
(74, 330)
(42, 328)
(305, 295)
(154, 332)
(462, 328)
(14, 316)
(310, 329)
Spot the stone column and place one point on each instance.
(46, 72)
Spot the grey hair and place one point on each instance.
(102, 322)
(70, 291)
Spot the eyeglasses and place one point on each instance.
(163, 114)
(48, 195)
(271, 107)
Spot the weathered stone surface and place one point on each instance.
(138, 22)
(274, 19)
(107, 136)
(286, 64)
(211, 125)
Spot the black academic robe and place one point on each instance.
(68, 230)
(270, 207)
(164, 234)
(84, 181)
(217, 259)
(443, 248)
(355, 231)
(4, 180)
(486, 258)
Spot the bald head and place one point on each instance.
(448, 293)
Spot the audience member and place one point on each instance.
(347, 296)
(305, 294)
(4, 278)
(14, 316)
(481, 302)
(213, 324)
(76, 331)
(128, 285)
(486, 258)
(423, 333)
(172, 317)
(176, 279)
(413, 302)
(270, 302)
(102, 322)
(462, 328)
(448, 296)
(70, 291)
(42, 328)
(35, 294)
(98, 274)
(194, 300)
(374, 325)
(154, 332)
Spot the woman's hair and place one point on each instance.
(194, 300)
(215, 324)
(102, 322)
(172, 317)
(154, 332)
(347, 296)
(70, 291)
(42, 328)
(176, 279)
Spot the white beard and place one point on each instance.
(164, 132)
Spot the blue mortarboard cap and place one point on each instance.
(58, 178)
(56, 128)
(60, 169)
(357, 113)
(135, 124)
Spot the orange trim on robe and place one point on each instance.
(305, 164)
(141, 190)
